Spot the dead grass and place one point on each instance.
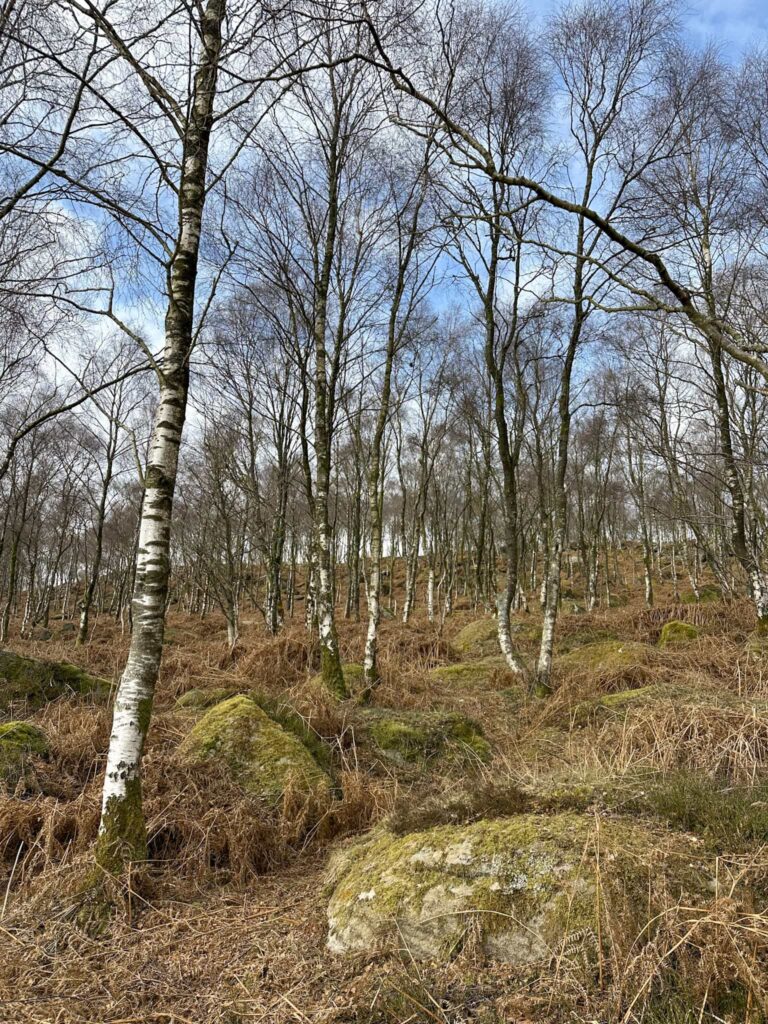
(226, 924)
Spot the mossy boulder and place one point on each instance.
(417, 737)
(526, 633)
(524, 887)
(200, 699)
(470, 673)
(609, 663)
(32, 682)
(622, 702)
(677, 634)
(707, 595)
(19, 740)
(477, 639)
(262, 757)
(583, 637)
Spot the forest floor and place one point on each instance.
(227, 922)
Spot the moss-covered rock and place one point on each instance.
(609, 663)
(526, 633)
(525, 886)
(583, 637)
(623, 702)
(201, 699)
(19, 740)
(33, 682)
(469, 673)
(413, 737)
(477, 639)
(262, 757)
(707, 595)
(677, 634)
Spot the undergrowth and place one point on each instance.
(226, 922)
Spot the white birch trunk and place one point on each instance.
(122, 835)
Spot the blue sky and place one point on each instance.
(734, 25)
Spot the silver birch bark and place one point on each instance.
(122, 833)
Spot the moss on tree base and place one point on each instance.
(352, 680)
(123, 835)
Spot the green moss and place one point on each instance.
(585, 637)
(477, 638)
(26, 735)
(420, 736)
(353, 679)
(332, 675)
(19, 740)
(707, 595)
(676, 634)
(525, 885)
(262, 757)
(123, 835)
(354, 674)
(33, 682)
(609, 662)
(199, 699)
(469, 673)
(288, 718)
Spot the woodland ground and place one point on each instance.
(227, 922)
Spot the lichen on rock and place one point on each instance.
(677, 634)
(413, 737)
(33, 682)
(263, 758)
(525, 886)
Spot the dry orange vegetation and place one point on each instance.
(227, 923)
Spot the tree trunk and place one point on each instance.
(122, 833)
